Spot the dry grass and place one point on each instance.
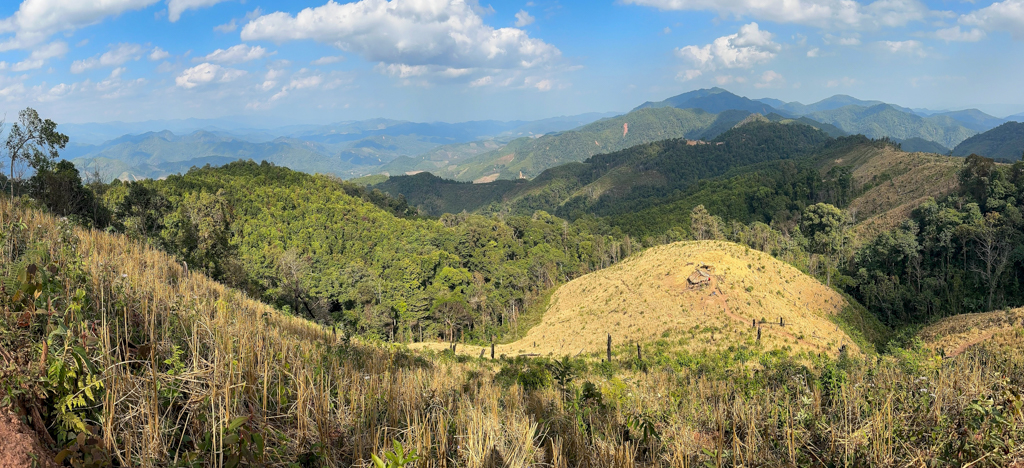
(647, 297)
(306, 391)
(954, 335)
(911, 179)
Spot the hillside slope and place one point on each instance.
(884, 120)
(649, 297)
(531, 156)
(1003, 142)
(1002, 330)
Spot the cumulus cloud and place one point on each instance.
(205, 73)
(748, 47)
(328, 60)
(158, 54)
(40, 55)
(814, 52)
(817, 13)
(303, 82)
(905, 47)
(176, 7)
(410, 33)
(37, 20)
(770, 79)
(955, 34)
(112, 58)
(524, 19)
(1006, 16)
(236, 54)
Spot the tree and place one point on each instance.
(703, 225)
(993, 248)
(827, 232)
(34, 141)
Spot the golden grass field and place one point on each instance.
(912, 178)
(647, 298)
(954, 335)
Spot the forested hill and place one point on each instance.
(618, 182)
(1003, 142)
(322, 248)
(531, 156)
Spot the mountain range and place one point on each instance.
(483, 151)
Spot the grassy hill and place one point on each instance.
(884, 120)
(1000, 331)
(648, 298)
(1003, 142)
(714, 100)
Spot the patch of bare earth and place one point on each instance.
(19, 446)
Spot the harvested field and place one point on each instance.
(954, 335)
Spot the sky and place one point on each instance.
(310, 61)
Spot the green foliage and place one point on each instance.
(884, 120)
(1005, 142)
(237, 442)
(396, 458)
(527, 373)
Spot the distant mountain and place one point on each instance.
(346, 149)
(530, 156)
(714, 101)
(973, 119)
(827, 104)
(920, 145)
(884, 120)
(1003, 142)
(1016, 118)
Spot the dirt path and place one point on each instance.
(959, 350)
(19, 446)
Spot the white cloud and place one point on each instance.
(483, 81)
(158, 54)
(225, 28)
(687, 75)
(744, 49)
(845, 82)
(40, 55)
(905, 47)
(328, 60)
(57, 92)
(1007, 16)
(955, 34)
(524, 19)
(543, 85)
(236, 54)
(851, 40)
(813, 52)
(205, 73)
(412, 33)
(305, 82)
(37, 20)
(770, 79)
(818, 13)
(112, 58)
(3, 66)
(176, 7)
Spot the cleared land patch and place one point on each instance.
(650, 298)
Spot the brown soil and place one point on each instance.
(19, 446)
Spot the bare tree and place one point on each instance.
(994, 251)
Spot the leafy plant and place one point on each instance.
(396, 458)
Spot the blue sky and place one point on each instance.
(456, 60)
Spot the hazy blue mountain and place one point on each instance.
(1003, 142)
(920, 145)
(714, 101)
(973, 119)
(827, 104)
(1016, 117)
(884, 120)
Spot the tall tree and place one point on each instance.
(34, 141)
(827, 232)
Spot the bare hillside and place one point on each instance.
(1003, 329)
(662, 294)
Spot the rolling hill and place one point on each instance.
(973, 119)
(884, 120)
(1003, 142)
(618, 181)
(650, 298)
(531, 156)
(1001, 330)
(714, 101)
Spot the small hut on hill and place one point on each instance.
(700, 277)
